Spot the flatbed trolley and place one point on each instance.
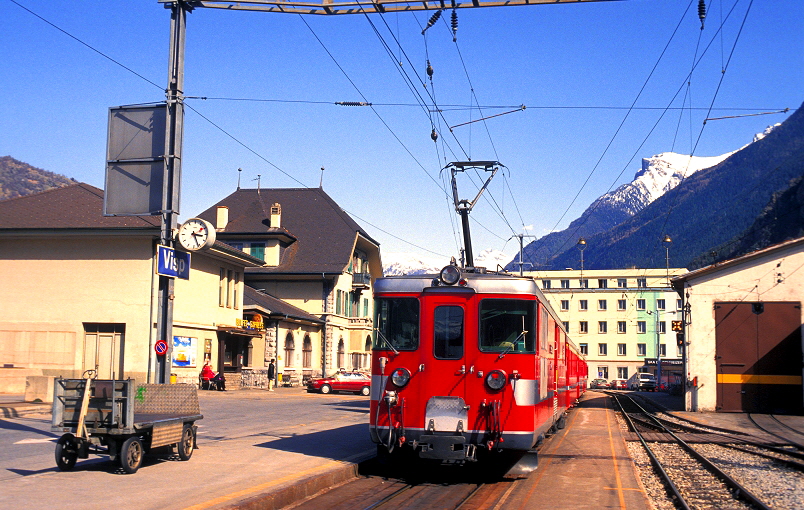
(122, 420)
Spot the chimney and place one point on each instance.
(223, 218)
(276, 216)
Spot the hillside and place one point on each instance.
(20, 179)
(711, 207)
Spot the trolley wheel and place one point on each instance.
(365, 391)
(187, 443)
(66, 452)
(326, 389)
(131, 454)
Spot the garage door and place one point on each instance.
(758, 355)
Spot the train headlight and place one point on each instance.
(496, 380)
(450, 275)
(400, 377)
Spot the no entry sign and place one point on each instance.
(161, 347)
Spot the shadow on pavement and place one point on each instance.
(333, 444)
(24, 428)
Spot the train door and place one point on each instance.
(444, 327)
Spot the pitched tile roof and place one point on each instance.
(325, 233)
(274, 306)
(76, 206)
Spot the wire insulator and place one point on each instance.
(429, 70)
(455, 24)
(432, 21)
(434, 135)
(702, 12)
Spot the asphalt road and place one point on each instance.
(249, 441)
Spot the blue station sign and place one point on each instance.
(175, 264)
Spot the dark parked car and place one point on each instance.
(355, 382)
(599, 384)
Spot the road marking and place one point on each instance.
(37, 440)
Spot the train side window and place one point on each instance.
(507, 325)
(448, 332)
(397, 321)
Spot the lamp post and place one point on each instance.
(581, 247)
(666, 242)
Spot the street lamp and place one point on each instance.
(666, 242)
(581, 247)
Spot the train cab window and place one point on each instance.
(448, 332)
(397, 321)
(507, 325)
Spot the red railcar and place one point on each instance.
(465, 362)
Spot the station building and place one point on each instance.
(743, 332)
(621, 319)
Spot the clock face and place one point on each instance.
(195, 234)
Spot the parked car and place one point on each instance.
(599, 384)
(644, 382)
(618, 384)
(356, 382)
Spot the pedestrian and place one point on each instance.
(271, 375)
(220, 381)
(207, 375)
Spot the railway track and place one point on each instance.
(691, 480)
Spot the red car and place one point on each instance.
(618, 384)
(356, 382)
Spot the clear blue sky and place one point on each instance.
(576, 67)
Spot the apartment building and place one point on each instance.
(622, 319)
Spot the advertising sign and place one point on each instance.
(185, 350)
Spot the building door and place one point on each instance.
(103, 349)
(758, 355)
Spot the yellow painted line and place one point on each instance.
(619, 489)
(758, 379)
(273, 483)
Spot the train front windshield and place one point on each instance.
(397, 322)
(507, 325)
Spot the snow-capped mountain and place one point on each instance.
(397, 264)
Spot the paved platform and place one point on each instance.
(585, 465)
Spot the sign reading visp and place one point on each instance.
(172, 263)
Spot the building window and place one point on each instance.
(620, 349)
(603, 372)
(662, 350)
(662, 328)
(602, 349)
(642, 283)
(546, 284)
(584, 327)
(583, 304)
(338, 301)
(622, 304)
(641, 349)
(602, 284)
(622, 283)
(620, 326)
(564, 305)
(602, 327)
(641, 327)
(622, 372)
(229, 288)
(222, 288)
(566, 325)
(660, 304)
(365, 307)
(679, 304)
(584, 283)
(341, 354)
(290, 350)
(307, 352)
(236, 288)
(257, 250)
(584, 349)
(602, 305)
(236, 246)
(565, 284)
(640, 304)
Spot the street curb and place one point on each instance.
(299, 490)
(23, 409)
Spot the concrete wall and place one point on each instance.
(775, 276)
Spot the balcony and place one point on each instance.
(361, 281)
